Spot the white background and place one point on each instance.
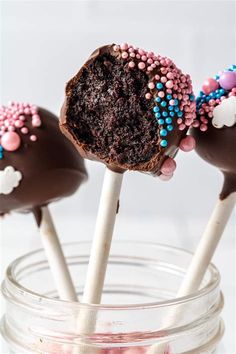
(43, 43)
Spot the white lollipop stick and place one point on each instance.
(102, 237)
(99, 253)
(201, 260)
(55, 256)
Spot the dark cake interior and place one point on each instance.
(107, 111)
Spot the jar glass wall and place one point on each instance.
(138, 302)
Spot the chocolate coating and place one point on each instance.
(108, 118)
(51, 168)
(218, 147)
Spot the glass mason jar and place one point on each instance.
(138, 300)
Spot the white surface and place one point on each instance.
(44, 43)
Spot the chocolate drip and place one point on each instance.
(229, 185)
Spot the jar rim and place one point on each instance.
(11, 280)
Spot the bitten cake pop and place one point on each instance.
(38, 165)
(129, 109)
(216, 117)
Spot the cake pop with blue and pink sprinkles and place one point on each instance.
(215, 125)
(130, 109)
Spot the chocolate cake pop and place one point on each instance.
(216, 126)
(38, 164)
(129, 109)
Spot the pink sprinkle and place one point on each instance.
(150, 61)
(182, 126)
(168, 167)
(169, 84)
(131, 50)
(149, 68)
(196, 124)
(144, 58)
(10, 141)
(203, 127)
(141, 51)
(19, 124)
(22, 118)
(148, 96)
(172, 102)
(138, 56)
(141, 65)
(170, 75)
(24, 130)
(124, 55)
(132, 55)
(27, 111)
(131, 64)
(150, 54)
(33, 137)
(161, 94)
(163, 71)
(179, 120)
(151, 85)
(163, 79)
(187, 144)
(124, 46)
(157, 77)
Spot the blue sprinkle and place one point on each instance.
(170, 108)
(163, 132)
(191, 97)
(161, 121)
(163, 143)
(217, 77)
(168, 120)
(180, 114)
(176, 109)
(164, 114)
(222, 91)
(158, 115)
(163, 104)
(176, 102)
(170, 127)
(201, 94)
(159, 85)
(156, 109)
(172, 114)
(169, 97)
(158, 99)
(1, 148)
